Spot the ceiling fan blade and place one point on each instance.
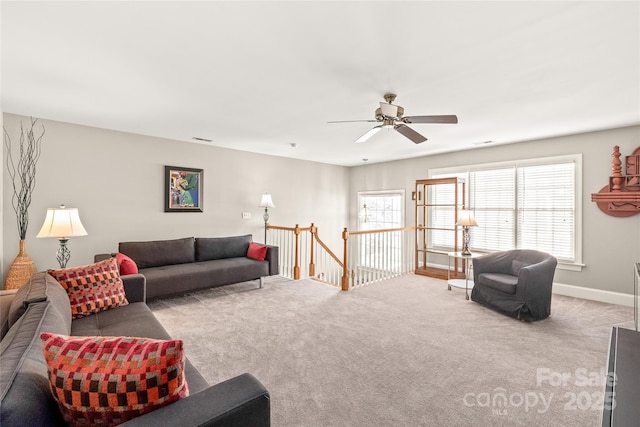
(410, 133)
(352, 121)
(431, 119)
(369, 134)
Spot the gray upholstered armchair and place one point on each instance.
(516, 283)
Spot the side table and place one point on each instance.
(465, 283)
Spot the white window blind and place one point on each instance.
(492, 198)
(527, 205)
(546, 208)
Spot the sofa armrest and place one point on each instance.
(273, 256)
(239, 401)
(135, 287)
(102, 257)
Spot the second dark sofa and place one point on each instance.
(177, 266)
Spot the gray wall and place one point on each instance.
(610, 245)
(116, 179)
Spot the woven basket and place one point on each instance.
(21, 269)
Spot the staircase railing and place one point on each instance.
(376, 255)
(367, 256)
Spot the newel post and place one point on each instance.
(345, 274)
(312, 265)
(296, 266)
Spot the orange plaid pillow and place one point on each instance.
(109, 380)
(92, 288)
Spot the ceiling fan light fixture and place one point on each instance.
(389, 110)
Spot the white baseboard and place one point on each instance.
(593, 294)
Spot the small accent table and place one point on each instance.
(461, 283)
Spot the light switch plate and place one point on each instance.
(246, 215)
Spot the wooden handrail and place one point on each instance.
(329, 251)
(382, 230)
(278, 227)
(346, 276)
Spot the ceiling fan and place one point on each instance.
(392, 116)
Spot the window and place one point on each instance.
(533, 204)
(385, 210)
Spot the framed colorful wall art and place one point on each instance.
(183, 189)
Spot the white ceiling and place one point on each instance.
(262, 76)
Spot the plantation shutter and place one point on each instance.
(546, 209)
(492, 197)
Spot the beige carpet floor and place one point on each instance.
(403, 352)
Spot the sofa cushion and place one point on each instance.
(208, 248)
(159, 252)
(126, 264)
(110, 380)
(178, 279)
(502, 282)
(25, 395)
(92, 288)
(257, 252)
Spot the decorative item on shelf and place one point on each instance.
(466, 220)
(266, 203)
(621, 198)
(62, 223)
(23, 179)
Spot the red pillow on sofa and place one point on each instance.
(126, 264)
(110, 380)
(257, 252)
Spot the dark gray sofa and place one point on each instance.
(517, 283)
(42, 305)
(178, 266)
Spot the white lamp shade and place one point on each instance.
(62, 223)
(266, 201)
(465, 218)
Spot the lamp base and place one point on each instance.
(63, 254)
(266, 221)
(465, 241)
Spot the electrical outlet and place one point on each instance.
(246, 215)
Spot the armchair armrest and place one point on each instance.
(273, 256)
(537, 278)
(237, 402)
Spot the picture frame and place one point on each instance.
(183, 189)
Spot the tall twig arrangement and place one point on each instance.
(23, 176)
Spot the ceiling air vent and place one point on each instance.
(201, 139)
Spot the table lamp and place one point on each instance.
(62, 223)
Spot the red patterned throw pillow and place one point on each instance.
(109, 380)
(92, 288)
(257, 252)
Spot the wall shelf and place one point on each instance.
(621, 198)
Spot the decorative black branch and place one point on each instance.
(23, 176)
